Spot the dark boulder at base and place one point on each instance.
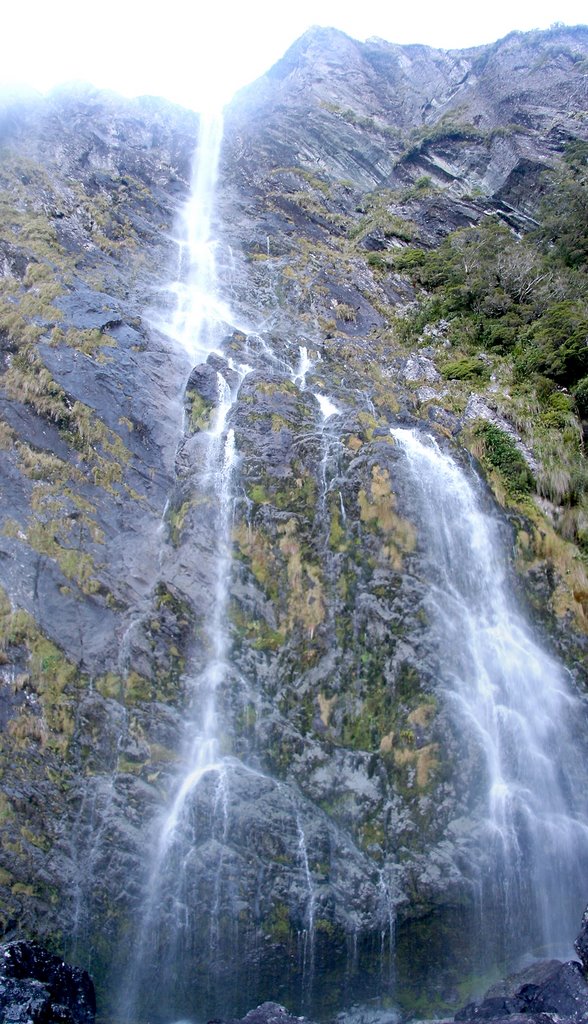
(540, 991)
(565, 992)
(267, 1013)
(37, 987)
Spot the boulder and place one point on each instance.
(204, 381)
(564, 992)
(37, 987)
(525, 1018)
(266, 1013)
(535, 974)
(547, 988)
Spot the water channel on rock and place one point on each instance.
(514, 703)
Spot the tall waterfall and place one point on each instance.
(515, 702)
(167, 931)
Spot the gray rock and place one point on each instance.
(548, 987)
(266, 1013)
(478, 409)
(581, 942)
(420, 368)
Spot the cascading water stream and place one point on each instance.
(198, 325)
(514, 702)
(507, 691)
(327, 407)
(387, 935)
(305, 365)
(199, 310)
(308, 934)
(189, 914)
(329, 446)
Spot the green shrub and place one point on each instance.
(501, 452)
(468, 368)
(409, 258)
(377, 261)
(556, 344)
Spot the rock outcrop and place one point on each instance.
(40, 988)
(546, 991)
(267, 1013)
(581, 943)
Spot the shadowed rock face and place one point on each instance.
(38, 987)
(547, 990)
(378, 114)
(332, 710)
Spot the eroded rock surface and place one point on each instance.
(40, 988)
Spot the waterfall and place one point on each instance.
(199, 310)
(305, 365)
(197, 324)
(189, 935)
(220, 891)
(308, 933)
(514, 702)
(196, 813)
(327, 407)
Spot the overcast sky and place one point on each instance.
(198, 53)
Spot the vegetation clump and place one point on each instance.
(468, 368)
(501, 452)
(515, 310)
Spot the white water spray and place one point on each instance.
(304, 367)
(199, 310)
(514, 700)
(310, 907)
(308, 935)
(327, 407)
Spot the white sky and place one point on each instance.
(199, 52)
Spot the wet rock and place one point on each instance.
(37, 987)
(581, 943)
(266, 1013)
(221, 365)
(549, 987)
(564, 992)
(204, 380)
(535, 974)
(446, 419)
(490, 1009)
(525, 1018)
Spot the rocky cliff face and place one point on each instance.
(350, 797)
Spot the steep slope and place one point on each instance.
(349, 818)
(377, 114)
